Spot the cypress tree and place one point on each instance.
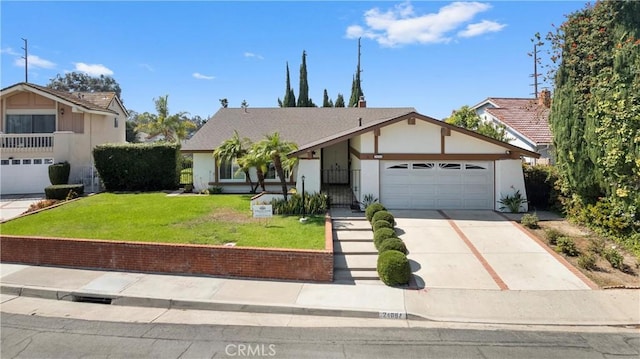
(339, 101)
(356, 88)
(289, 96)
(303, 94)
(326, 102)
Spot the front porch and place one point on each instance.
(342, 187)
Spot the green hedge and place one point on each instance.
(384, 216)
(382, 234)
(393, 243)
(381, 224)
(393, 268)
(59, 173)
(540, 181)
(372, 209)
(64, 191)
(138, 167)
(315, 203)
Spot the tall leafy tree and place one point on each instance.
(356, 86)
(289, 96)
(339, 101)
(82, 82)
(326, 101)
(594, 115)
(303, 94)
(466, 117)
(276, 150)
(173, 128)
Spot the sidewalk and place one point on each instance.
(616, 307)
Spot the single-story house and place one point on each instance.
(526, 121)
(40, 126)
(397, 155)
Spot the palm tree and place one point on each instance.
(172, 127)
(276, 150)
(234, 148)
(261, 163)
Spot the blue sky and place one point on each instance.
(433, 56)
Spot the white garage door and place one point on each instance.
(436, 185)
(24, 175)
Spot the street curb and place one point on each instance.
(185, 304)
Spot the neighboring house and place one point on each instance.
(40, 126)
(526, 120)
(403, 158)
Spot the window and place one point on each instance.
(26, 162)
(37, 161)
(48, 161)
(423, 166)
(229, 171)
(271, 172)
(469, 166)
(115, 122)
(31, 123)
(403, 166)
(15, 162)
(4, 162)
(450, 166)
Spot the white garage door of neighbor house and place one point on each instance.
(24, 175)
(436, 184)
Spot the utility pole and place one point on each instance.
(26, 61)
(536, 42)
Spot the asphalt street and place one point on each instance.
(25, 336)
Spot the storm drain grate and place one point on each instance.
(95, 300)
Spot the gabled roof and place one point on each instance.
(301, 125)
(344, 135)
(524, 115)
(90, 101)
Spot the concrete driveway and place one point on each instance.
(481, 250)
(12, 206)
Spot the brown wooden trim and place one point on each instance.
(436, 156)
(442, 144)
(216, 178)
(411, 121)
(375, 140)
(196, 151)
(354, 152)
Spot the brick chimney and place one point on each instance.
(362, 103)
(544, 98)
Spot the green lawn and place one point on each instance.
(155, 217)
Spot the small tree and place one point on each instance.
(467, 118)
(339, 101)
(276, 149)
(173, 128)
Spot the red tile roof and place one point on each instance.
(524, 115)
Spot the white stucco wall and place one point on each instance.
(366, 142)
(310, 169)
(509, 178)
(203, 170)
(370, 178)
(461, 143)
(401, 137)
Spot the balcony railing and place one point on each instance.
(26, 142)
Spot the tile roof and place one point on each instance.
(97, 101)
(296, 124)
(524, 115)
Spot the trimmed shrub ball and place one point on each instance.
(395, 244)
(372, 209)
(394, 268)
(381, 224)
(383, 215)
(382, 234)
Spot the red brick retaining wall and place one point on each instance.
(288, 264)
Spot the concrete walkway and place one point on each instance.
(619, 307)
(12, 206)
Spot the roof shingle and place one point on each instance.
(524, 115)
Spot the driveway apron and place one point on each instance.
(479, 250)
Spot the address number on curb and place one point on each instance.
(393, 315)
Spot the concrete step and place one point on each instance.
(350, 276)
(353, 235)
(351, 225)
(354, 247)
(355, 261)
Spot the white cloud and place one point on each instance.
(480, 28)
(9, 51)
(93, 69)
(200, 76)
(401, 25)
(252, 55)
(35, 61)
